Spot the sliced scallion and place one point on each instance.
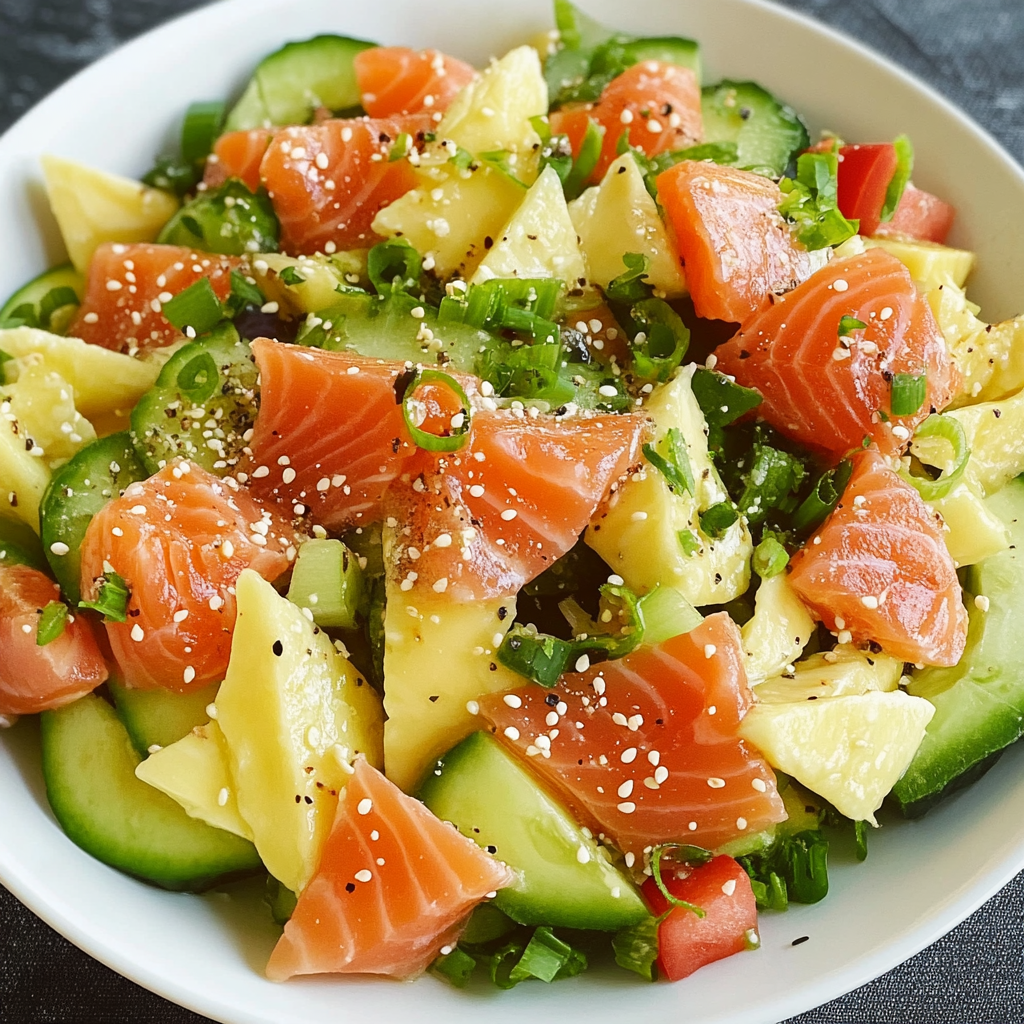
(674, 465)
(823, 497)
(197, 307)
(424, 439)
(908, 393)
(949, 429)
(51, 623)
(199, 379)
(690, 855)
(200, 129)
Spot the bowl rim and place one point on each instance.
(831, 984)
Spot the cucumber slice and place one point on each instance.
(200, 406)
(229, 220)
(768, 134)
(79, 489)
(565, 879)
(89, 768)
(20, 546)
(328, 581)
(291, 83)
(669, 49)
(979, 703)
(160, 717)
(48, 301)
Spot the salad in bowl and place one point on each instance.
(527, 514)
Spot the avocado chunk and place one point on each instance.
(565, 878)
(979, 703)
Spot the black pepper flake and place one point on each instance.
(308, 799)
(492, 849)
(802, 939)
(350, 887)
(278, 648)
(488, 241)
(502, 613)
(433, 698)
(551, 699)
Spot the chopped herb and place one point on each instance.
(394, 266)
(849, 324)
(229, 220)
(690, 855)
(586, 160)
(170, 174)
(455, 967)
(772, 482)
(197, 307)
(291, 277)
(462, 159)
(908, 393)
(199, 379)
(718, 518)
(51, 623)
(811, 202)
(401, 147)
(504, 162)
(111, 598)
(658, 338)
(901, 176)
(794, 869)
(824, 497)
(636, 948)
(243, 293)
(674, 465)
(200, 129)
(689, 542)
(860, 836)
(722, 401)
(770, 557)
(629, 287)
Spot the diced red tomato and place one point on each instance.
(864, 176)
(686, 942)
(328, 181)
(127, 285)
(920, 216)
(658, 105)
(737, 249)
(180, 540)
(238, 155)
(34, 678)
(398, 80)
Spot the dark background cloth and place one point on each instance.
(973, 52)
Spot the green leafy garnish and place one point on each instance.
(636, 947)
(689, 542)
(849, 324)
(462, 159)
(630, 287)
(908, 393)
(772, 482)
(715, 520)
(722, 401)
(111, 598)
(394, 266)
(455, 967)
(811, 202)
(770, 557)
(692, 855)
(51, 623)
(901, 176)
(229, 220)
(674, 465)
(504, 162)
(585, 162)
(793, 869)
(291, 277)
(860, 837)
(400, 147)
(658, 338)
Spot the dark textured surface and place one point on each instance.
(973, 52)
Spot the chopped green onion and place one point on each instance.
(394, 266)
(51, 624)
(545, 957)
(722, 401)
(455, 967)
(823, 498)
(501, 160)
(674, 466)
(401, 147)
(658, 339)
(54, 299)
(950, 429)
(689, 542)
(772, 482)
(111, 598)
(901, 176)
(197, 307)
(691, 855)
(584, 164)
(718, 518)
(636, 948)
(462, 159)
(243, 294)
(811, 202)
(291, 277)
(666, 613)
(860, 836)
(849, 324)
(200, 130)
(199, 379)
(629, 287)
(770, 558)
(908, 393)
(424, 439)
(804, 860)
(22, 316)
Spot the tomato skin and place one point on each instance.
(721, 888)
(180, 542)
(864, 176)
(920, 216)
(34, 678)
(649, 95)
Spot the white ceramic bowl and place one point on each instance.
(207, 953)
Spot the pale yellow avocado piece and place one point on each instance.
(929, 263)
(971, 531)
(539, 240)
(321, 277)
(995, 436)
(842, 672)
(44, 404)
(106, 384)
(989, 356)
(434, 671)
(195, 772)
(449, 217)
(93, 207)
(849, 750)
(619, 216)
(293, 722)
(493, 112)
(637, 531)
(778, 631)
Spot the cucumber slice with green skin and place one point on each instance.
(79, 489)
(979, 703)
(20, 546)
(280, 899)
(89, 768)
(291, 83)
(565, 880)
(27, 303)
(209, 380)
(229, 220)
(160, 717)
(768, 134)
(328, 581)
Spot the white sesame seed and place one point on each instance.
(608, 390)
(364, 875)
(551, 718)
(443, 540)
(728, 888)
(582, 663)
(710, 650)
(269, 307)
(137, 633)
(981, 602)
(476, 491)
(509, 514)
(180, 616)
(188, 675)
(626, 117)
(886, 313)
(440, 585)
(58, 547)
(513, 700)
(228, 548)
(741, 823)
(222, 796)
(625, 789)
(512, 733)
(638, 517)
(692, 826)
(288, 476)
(716, 783)
(660, 774)
(472, 707)
(840, 285)
(364, 806)
(869, 601)
(583, 855)
(627, 807)
(759, 785)
(628, 756)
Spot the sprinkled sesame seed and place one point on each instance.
(364, 875)
(710, 650)
(638, 517)
(630, 859)
(512, 733)
(741, 823)
(692, 826)
(58, 547)
(625, 789)
(583, 855)
(626, 117)
(582, 663)
(137, 634)
(608, 390)
(288, 476)
(627, 807)
(513, 700)
(476, 491)
(729, 887)
(269, 307)
(364, 806)
(180, 616)
(869, 601)
(188, 675)
(886, 313)
(759, 785)
(716, 783)
(628, 756)
(981, 602)
(840, 285)
(222, 796)
(660, 774)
